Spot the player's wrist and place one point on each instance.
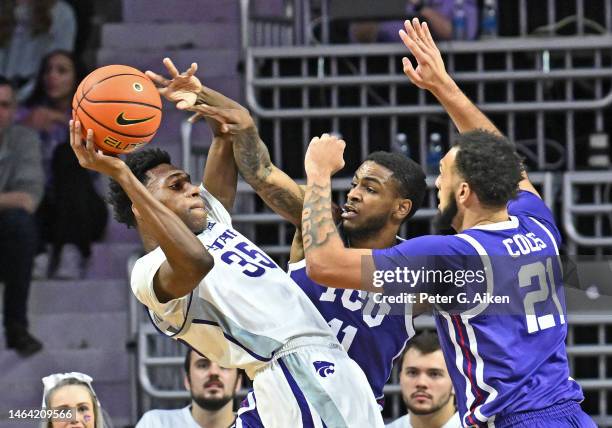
(120, 173)
(445, 88)
(317, 174)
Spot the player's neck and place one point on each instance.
(385, 238)
(433, 420)
(482, 216)
(221, 418)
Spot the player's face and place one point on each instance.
(59, 77)
(173, 188)
(371, 200)
(211, 385)
(425, 383)
(74, 397)
(447, 183)
(7, 106)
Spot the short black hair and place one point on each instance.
(5, 81)
(490, 165)
(187, 362)
(425, 342)
(139, 163)
(408, 174)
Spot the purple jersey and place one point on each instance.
(502, 363)
(370, 337)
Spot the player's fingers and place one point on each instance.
(205, 109)
(157, 79)
(230, 128)
(71, 132)
(411, 72)
(171, 67)
(418, 53)
(414, 44)
(416, 25)
(192, 69)
(75, 140)
(183, 104)
(194, 118)
(77, 133)
(89, 141)
(428, 39)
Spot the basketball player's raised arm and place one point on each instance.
(328, 262)
(187, 261)
(279, 191)
(430, 74)
(185, 90)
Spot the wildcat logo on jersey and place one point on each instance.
(324, 368)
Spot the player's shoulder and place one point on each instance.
(163, 417)
(434, 245)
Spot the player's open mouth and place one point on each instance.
(348, 212)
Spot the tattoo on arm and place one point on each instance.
(279, 191)
(252, 156)
(318, 224)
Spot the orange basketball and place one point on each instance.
(121, 105)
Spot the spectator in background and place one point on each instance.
(21, 188)
(437, 13)
(30, 29)
(212, 388)
(426, 386)
(63, 391)
(72, 214)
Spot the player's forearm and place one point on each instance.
(252, 157)
(220, 173)
(464, 113)
(21, 200)
(183, 250)
(217, 99)
(321, 241)
(279, 191)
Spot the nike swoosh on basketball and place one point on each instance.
(121, 120)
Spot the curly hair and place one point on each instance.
(490, 165)
(139, 163)
(408, 175)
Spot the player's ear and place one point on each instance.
(463, 192)
(186, 383)
(404, 207)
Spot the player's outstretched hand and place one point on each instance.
(89, 157)
(324, 155)
(430, 72)
(182, 89)
(232, 119)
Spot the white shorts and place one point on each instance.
(315, 385)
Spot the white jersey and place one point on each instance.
(168, 418)
(243, 311)
(404, 422)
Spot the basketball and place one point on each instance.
(121, 105)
